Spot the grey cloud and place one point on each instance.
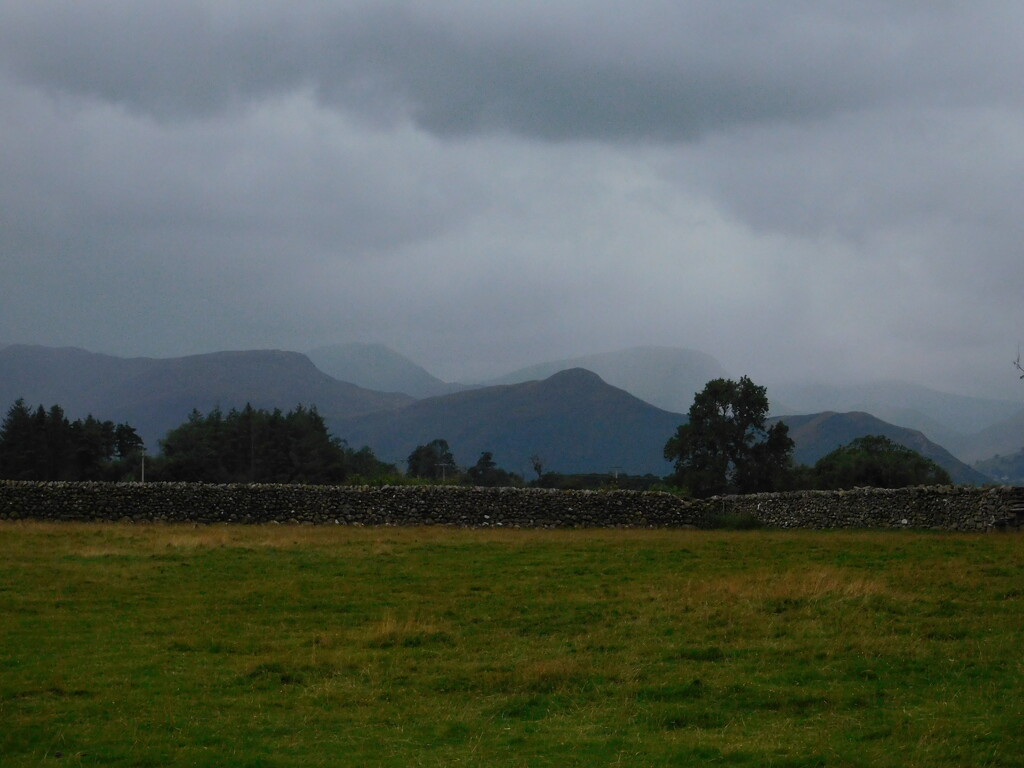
(287, 173)
(166, 59)
(800, 188)
(664, 71)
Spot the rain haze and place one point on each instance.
(805, 190)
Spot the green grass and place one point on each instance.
(301, 646)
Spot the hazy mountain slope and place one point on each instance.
(155, 395)
(818, 434)
(1003, 438)
(666, 377)
(71, 377)
(1006, 469)
(914, 405)
(375, 366)
(575, 421)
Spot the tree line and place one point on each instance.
(42, 444)
(258, 446)
(240, 446)
(726, 446)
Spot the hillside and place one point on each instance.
(945, 417)
(818, 434)
(574, 420)
(666, 377)
(998, 439)
(155, 395)
(1008, 470)
(376, 367)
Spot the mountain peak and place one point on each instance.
(667, 377)
(573, 419)
(157, 394)
(574, 377)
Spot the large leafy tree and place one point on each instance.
(876, 461)
(433, 461)
(726, 446)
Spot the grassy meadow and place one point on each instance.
(299, 646)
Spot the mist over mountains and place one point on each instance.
(597, 413)
(375, 366)
(953, 420)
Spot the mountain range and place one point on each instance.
(818, 434)
(574, 417)
(972, 428)
(157, 394)
(572, 420)
(666, 377)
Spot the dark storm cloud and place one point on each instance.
(658, 70)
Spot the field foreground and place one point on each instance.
(307, 646)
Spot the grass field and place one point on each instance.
(301, 646)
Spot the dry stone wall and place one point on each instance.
(949, 508)
(323, 505)
(946, 508)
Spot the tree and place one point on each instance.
(21, 452)
(538, 465)
(94, 446)
(315, 456)
(365, 467)
(487, 473)
(877, 462)
(191, 451)
(725, 447)
(127, 443)
(433, 461)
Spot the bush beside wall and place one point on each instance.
(946, 508)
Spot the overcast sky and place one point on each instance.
(807, 189)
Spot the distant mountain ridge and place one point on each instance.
(969, 427)
(666, 377)
(1006, 437)
(377, 367)
(573, 420)
(962, 413)
(1008, 470)
(157, 394)
(818, 434)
